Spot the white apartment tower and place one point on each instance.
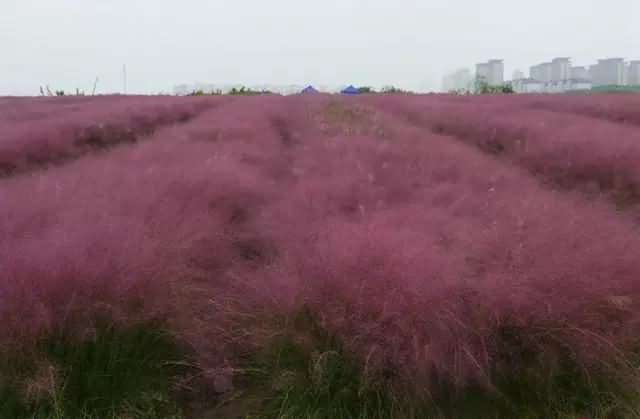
(609, 71)
(633, 77)
(482, 72)
(541, 72)
(579, 73)
(560, 68)
(496, 72)
(491, 72)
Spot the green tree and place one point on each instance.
(393, 89)
(484, 88)
(243, 91)
(366, 90)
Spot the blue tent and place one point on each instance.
(309, 89)
(350, 90)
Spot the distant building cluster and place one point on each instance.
(555, 76)
(559, 75)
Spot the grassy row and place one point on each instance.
(620, 108)
(117, 253)
(36, 143)
(24, 109)
(566, 151)
(612, 107)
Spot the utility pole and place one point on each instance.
(124, 78)
(95, 84)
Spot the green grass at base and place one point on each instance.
(117, 373)
(131, 373)
(321, 381)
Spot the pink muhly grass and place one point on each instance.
(565, 150)
(38, 142)
(414, 251)
(479, 251)
(126, 223)
(624, 108)
(139, 231)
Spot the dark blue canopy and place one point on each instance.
(309, 89)
(350, 90)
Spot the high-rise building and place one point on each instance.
(482, 72)
(560, 68)
(518, 75)
(491, 72)
(633, 77)
(534, 72)
(609, 71)
(541, 72)
(496, 72)
(579, 73)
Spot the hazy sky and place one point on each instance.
(408, 43)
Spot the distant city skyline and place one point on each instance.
(556, 74)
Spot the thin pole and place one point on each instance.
(124, 78)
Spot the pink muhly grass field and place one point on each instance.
(429, 262)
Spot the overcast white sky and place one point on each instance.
(408, 43)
